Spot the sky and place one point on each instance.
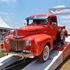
(15, 11)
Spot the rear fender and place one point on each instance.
(65, 32)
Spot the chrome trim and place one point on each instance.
(16, 37)
(26, 51)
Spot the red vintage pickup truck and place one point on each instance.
(38, 38)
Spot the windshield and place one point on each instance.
(37, 20)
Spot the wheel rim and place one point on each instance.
(45, 53)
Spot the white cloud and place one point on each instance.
(7, 0)
(60, 9)
(59, 6)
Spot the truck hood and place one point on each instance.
(29, 30)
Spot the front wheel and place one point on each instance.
(45, 54)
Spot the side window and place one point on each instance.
(30, 22)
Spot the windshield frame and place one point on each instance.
(38, 18)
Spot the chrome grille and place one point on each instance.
(16, 45)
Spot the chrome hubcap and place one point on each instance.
(46, 53)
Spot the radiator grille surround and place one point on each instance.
(16, 45)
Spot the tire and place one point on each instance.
(45, 54)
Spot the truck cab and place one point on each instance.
(49, 23)
(38, 37)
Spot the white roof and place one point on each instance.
(3, 24)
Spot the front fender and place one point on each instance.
(38, 42)
(41, 40)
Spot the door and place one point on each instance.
(53, 27)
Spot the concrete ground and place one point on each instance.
(64, 66)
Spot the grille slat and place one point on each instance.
(16, 45)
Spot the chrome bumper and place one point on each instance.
(24, 53)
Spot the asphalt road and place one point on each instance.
(64, 66)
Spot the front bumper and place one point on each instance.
(24, 53)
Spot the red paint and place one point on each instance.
(38, 34)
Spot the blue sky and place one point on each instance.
(14, 11)
(22, 8)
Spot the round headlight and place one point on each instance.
(28, 43)
(6, 40)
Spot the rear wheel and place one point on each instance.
(45, 54)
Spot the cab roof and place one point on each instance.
(41, 15)
(44, 15)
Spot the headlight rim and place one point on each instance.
(6, 40)
(28, 43)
